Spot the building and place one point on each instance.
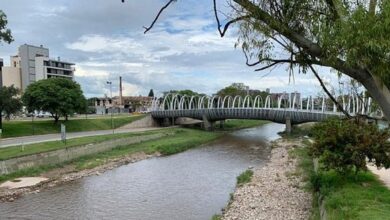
(12, 75)
(32, 64)
(129, 104)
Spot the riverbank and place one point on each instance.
(175, 140)
(275, 190)
(336, 196)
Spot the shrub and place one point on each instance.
(345, 145)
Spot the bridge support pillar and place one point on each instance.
(222, 124)
(207, 125)
(288, 125)
(166, 122)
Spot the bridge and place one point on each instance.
(287, 108)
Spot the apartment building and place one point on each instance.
(32, 64)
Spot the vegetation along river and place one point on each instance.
(191, 185)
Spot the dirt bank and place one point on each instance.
(275, 191)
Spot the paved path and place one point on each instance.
(7, 142)
(383, 174)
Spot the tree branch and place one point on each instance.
(157, 16)
(328, 93)
(307, 45)
(222, 32)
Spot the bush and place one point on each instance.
(345, 145)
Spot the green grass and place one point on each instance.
(234, 124)
(18, 151)
(244, 177)
(183, 139)
(345, 197)
(25, 128)
(216, 217)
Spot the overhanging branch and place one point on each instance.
(157, 16)
(225, 28)
(328, 93)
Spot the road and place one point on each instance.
(7, 142)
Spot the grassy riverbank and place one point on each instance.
(175, 140)
(344, 197)
(25, 128)
(18, 151)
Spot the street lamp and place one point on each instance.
(112, 104)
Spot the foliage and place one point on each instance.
(5, 33)
(344, 197)
(240, 89)
(151, 93)
(9, 102)
(244, 177)
(345, 145)
(60, 97)
(186, 92)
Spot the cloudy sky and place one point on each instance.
(105, 39)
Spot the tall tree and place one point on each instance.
(9, 102)
(350, 37)
(60, 97)
(233, 90)
(5, 33)
(151, 93)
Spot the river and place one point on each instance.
(191, 185)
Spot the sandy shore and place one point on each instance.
(274, 191)
(67, 174)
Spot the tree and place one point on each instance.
(346, 145)
(5, 33)
(350, 37)
(234, 90)
(186, 92)
(9, 102)
(58, 96)
(151, 93)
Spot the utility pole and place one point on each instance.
(112, 104)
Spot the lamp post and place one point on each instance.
(112, 122)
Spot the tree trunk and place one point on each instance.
(56, 118)
(380, 93)
(1, 121)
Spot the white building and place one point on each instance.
(33, 64)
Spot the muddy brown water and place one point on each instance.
(191, 185)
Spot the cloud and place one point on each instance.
(105, 39)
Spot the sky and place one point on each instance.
(105, 40)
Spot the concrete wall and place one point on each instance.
(11, 76)
(67, 154)
(146, 122)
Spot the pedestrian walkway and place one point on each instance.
(383, 174)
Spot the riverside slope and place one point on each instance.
(274, 191)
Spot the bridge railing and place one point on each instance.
(351, 103)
